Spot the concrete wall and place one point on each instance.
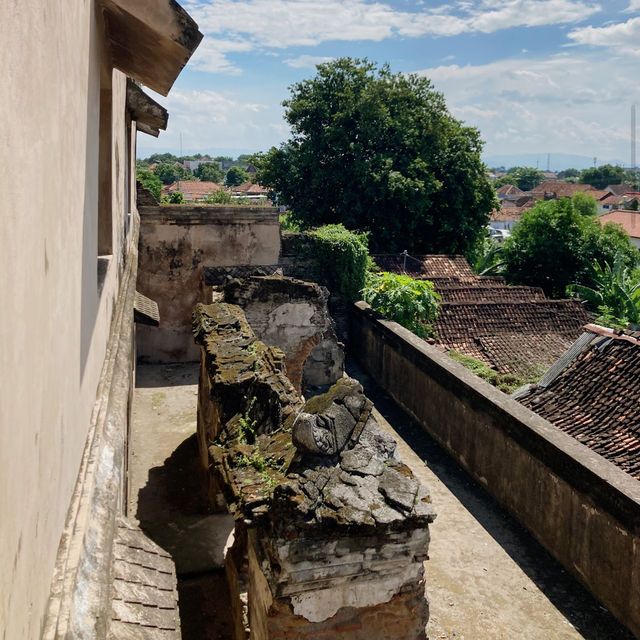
(583, 509)
(55, 322)
(176, 244)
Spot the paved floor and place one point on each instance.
(486, 578)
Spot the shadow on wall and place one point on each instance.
(586, 614)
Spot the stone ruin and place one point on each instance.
(292, 315)
(331, 528)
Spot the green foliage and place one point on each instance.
(247, 427)
(151, 182)
(287, 223)
(220, 196)
(343, 257)
(177, 197)
(486, 259)
(569, 173)
(615, 294)
(584, 204)
(603, 176)
(409, 302)
(525, 178)
(236, 176)
(210, 172)
(170, 173)
(554, 246)
(506, 382)
(379, 152)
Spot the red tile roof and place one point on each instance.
(630, 220)
(595, 398)
(508, 189)
(250, 189)
(512, 329)
(558, 189)
(193, 189)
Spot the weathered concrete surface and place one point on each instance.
(292, 315)
(176, 244)
(487, 579)
(581, 507)
(166, 483)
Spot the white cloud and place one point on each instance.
(623, 37)
(212, 120)
(211, 55)
(250, 24)
(634, 5)
(306, 61)
(543, 105)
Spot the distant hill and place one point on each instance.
(557, 161)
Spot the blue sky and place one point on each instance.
(534, 76)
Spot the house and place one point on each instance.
(192, 190)
(629, 220)
(508, 190)
(192, 165)
(511, 329)
(250, 190)
(69, 114)
(510, 212)
(553, 189)
(592, 394)
(619, 189)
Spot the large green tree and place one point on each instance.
(170, 173)
(603, 176)
(236, 176)
(151, 182)
(379, 152)
(555, 245)
(210, 172)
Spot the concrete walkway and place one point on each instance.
(487, 579)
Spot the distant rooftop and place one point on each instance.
(593, 395)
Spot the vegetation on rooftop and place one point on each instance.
(405, 300)
(506, 382)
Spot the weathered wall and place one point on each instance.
(55, 321)
(176, 243)
(582, 508)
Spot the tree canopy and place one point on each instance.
(555, 245)
(151, 182)
(379, 152)
(170, 173)
(236, 176)
(525, 178)
(210, 172)
(603, 176)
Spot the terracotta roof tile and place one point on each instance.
(596, 399)
(630, 220)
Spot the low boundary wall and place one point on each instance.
(582, 508)
(176, 244)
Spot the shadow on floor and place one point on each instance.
(167, 375)
(586, 614)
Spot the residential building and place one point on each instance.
(69, 116)
(192, 190)
(629, 220)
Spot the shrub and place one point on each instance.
(220, 196)
(343, 257)
(411, 303)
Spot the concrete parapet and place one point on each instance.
(579, 506)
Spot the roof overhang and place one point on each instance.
(150, 40)
(150, 116)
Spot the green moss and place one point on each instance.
(506, 382)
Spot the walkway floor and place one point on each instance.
(487, 579)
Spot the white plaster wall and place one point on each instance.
(54, 326)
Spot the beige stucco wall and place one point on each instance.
(176, 244)
(54, 325)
